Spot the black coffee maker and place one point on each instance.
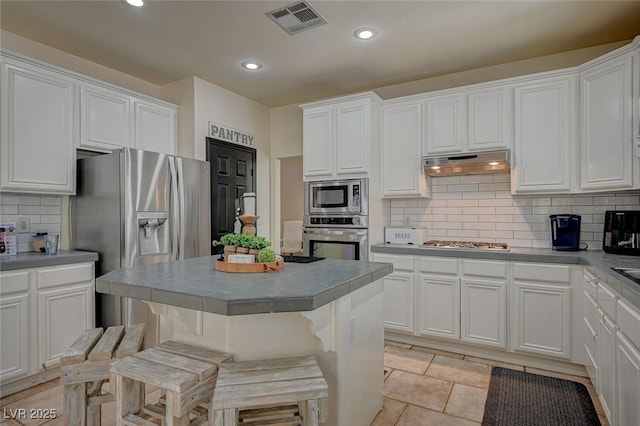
(622, 232)
(565, 231)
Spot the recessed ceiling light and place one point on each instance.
(251, 65)
(136, 3)
(365, 33)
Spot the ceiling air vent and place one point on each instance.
(296, 17)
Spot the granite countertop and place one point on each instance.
(600, 262)
(36, 260)
(195, 284)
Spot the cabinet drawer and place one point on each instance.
(67, 274)
(542, 272)
(591, 340)
(591, 287)
(629, 321)
(591, 310)
(14, 282)
(607, 300)
(438, 265)
(484, 268)
(400, 263)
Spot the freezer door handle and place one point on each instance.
(174, 211)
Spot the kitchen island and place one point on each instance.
(331, 309)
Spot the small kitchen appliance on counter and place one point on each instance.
(405, 235)
(565, 232)
(622, 232)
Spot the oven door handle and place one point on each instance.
(331, 231)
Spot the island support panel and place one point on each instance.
(346, 336)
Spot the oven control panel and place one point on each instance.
(341, 221)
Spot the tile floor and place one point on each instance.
(428, 387)
(422, 387)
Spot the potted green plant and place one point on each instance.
(230, 242)
(243, 243)
(257, 243)
(267, 254)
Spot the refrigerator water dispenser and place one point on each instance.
(153, 233)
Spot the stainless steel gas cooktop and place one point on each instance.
(474, 245)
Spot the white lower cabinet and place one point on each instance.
(484, 312)
(439, 298)
(607, 370)
(591, 338)
(14, 326)
(541, 309)
(484, 302)
(42, 311)
(628, 364)
(628, 361)
(399, 289)
(63, 313)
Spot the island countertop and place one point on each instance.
(195, 284)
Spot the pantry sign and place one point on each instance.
(229, 134)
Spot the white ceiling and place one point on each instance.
(165, 41)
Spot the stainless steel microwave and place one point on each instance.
(349, 196)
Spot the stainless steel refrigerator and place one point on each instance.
(137, 207)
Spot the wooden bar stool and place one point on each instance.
(277, 391)
(185, 374)
(85, 367)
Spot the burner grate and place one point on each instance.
(478, 245)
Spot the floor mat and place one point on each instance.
(517, 398)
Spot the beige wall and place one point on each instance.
(213, 103)
(32, 49)
(182, 93)
(291, 190)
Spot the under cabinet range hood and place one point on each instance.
(475, 163)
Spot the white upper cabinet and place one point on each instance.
(339, 138)
(105, 118)
(402, 172)
(545, 135)
(318, 141)
(39, 129)
(606, 140)
(472, 120)
(489, 119)
(444, 124)
(155, 127)
(112, 119)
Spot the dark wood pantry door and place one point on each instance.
(232, 174)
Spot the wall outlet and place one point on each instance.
(22, 224)
(407, 220)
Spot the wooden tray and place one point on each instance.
(249, 267)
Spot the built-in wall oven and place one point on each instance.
(336, 224)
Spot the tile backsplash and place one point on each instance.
(481, 208)
(44, 214)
